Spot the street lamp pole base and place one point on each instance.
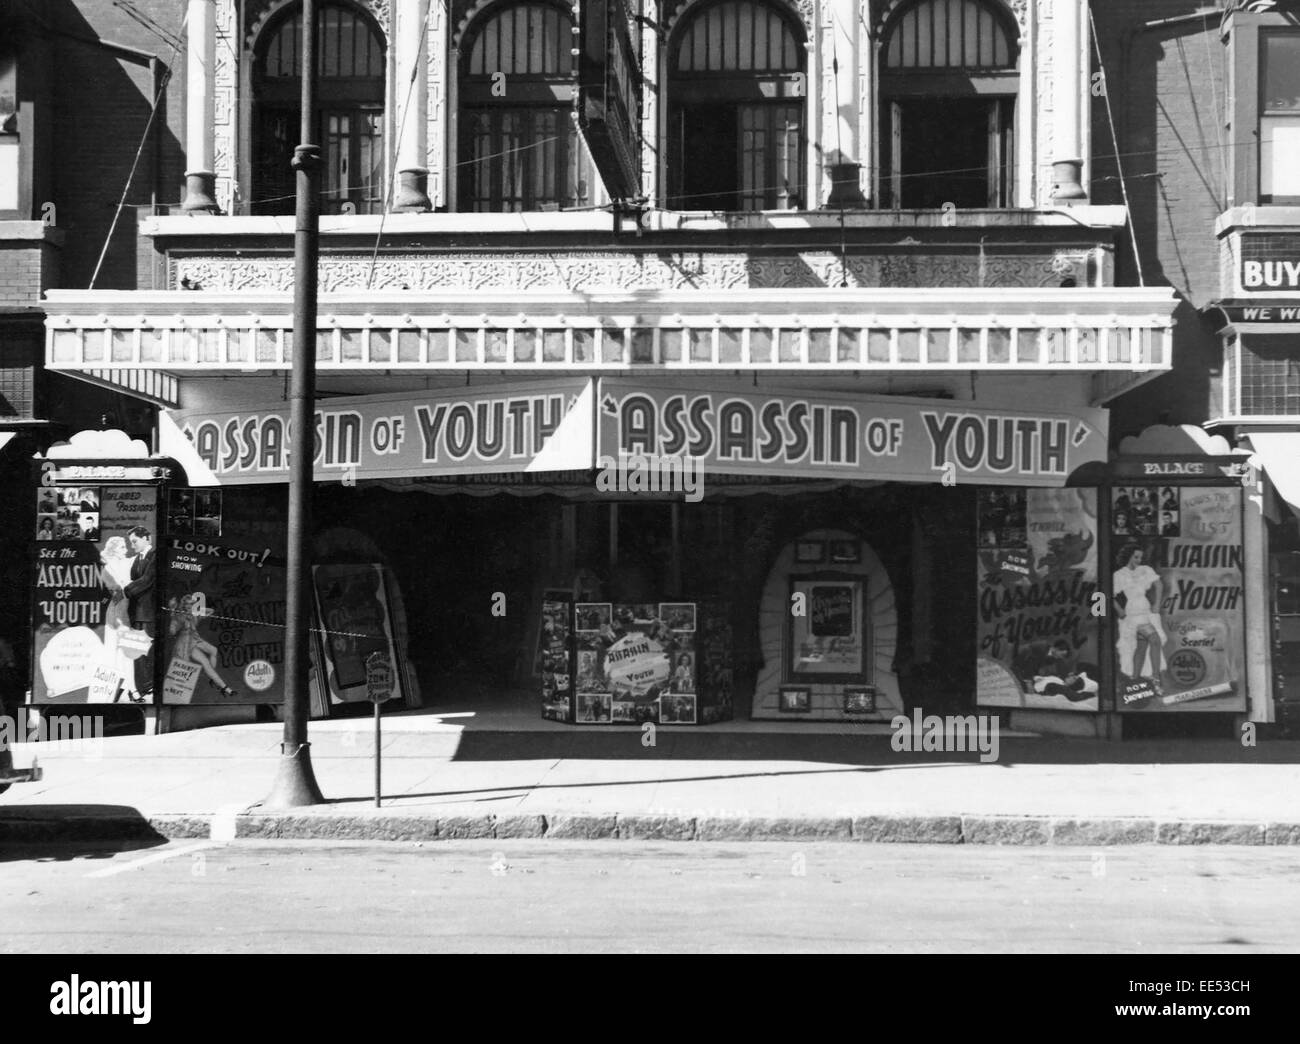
(295, 783)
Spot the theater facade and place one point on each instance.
(801, 416)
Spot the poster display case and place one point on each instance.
(95, 592)
(1176, 586)
(627, 664)
(1038, 629)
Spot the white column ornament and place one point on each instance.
(412, 96)
(1070, 42)
(200, 175)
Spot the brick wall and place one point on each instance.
(1168, 93)
(101, 110)
(21, 274)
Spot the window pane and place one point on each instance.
(909, 346)
(1279, 156)
(124, 344)
(466, 345)
(878, 346)
(936, 345)
(819, 346)
(1281, 73)
(642, 345)
(584, 346)
(351, 345)
(494, 346)
(525, 346)
(381, 346)
(790, 346)
(553, 346)
(611, 347)
(701, 345)
(728, 345)
(670, 345)
(760, 346)
(408, 345)
(968, 346)
(439, 345)
(151, 346)
(846, 346)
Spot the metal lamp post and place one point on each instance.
(295, 783)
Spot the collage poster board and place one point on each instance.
(85, 647)
(555, 657)
(636, 663)
(223, 623)
(355, 620)
(1177, 588)
(1039, 643)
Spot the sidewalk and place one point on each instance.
(470, 777)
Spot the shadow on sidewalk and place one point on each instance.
(73, 831)
(594, 743)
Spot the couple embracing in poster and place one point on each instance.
(129, 570)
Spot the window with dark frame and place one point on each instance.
(948, 87)
(736, 110)
(519, 147)
(350, 68)
(1279, 117)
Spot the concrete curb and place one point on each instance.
(35, 827)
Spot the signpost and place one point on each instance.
(379, 687)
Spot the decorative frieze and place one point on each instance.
(637, 271)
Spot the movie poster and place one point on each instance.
(557, 668)
(1176, 592)
(356, 621)
(93, 621)
(636, 663)
(1038, 635)
(223, 624)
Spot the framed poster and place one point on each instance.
(94, 609)
(828, 641)
(355, 620)
(223, 624)
(1039, 639)
(555, 658)
(1176, 586)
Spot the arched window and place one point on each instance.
(736, 98)
(350, 65)
(519, 148)
(948, 86)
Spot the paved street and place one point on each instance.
(555, 896)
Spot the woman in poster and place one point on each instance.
(189, 645)
(115, 574)
(45, 531)
(683, 680)
(1140, 629)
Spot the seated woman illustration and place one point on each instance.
(115, 574)
(1141, 633)
(188, 645)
